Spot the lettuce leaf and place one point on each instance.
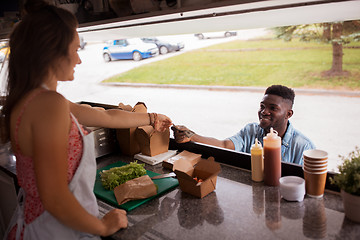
(118, 175)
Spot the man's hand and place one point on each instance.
(182, 134)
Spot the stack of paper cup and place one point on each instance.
(315, 171)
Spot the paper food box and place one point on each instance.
(190, 157)
(152, 142)
(198, 180)
(126, 136)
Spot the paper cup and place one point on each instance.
(311, 161)
(315, 183)
(319, 165)
(315, 155)
(315, 170)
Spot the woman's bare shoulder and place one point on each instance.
(49, 102)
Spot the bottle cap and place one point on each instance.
(256, 145)
(272, 134)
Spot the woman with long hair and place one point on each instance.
(55, 159)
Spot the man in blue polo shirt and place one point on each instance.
(275, 111)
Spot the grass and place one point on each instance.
(252, 63)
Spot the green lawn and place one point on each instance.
(252, 63)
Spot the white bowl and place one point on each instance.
(292, 188)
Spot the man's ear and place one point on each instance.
(289, 113)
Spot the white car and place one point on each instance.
(215, 34)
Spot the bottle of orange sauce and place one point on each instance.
(272, 158)
(257, 162)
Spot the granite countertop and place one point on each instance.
(238, 209)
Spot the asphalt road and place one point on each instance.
(329, 118)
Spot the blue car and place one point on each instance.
(132, 48)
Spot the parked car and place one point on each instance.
(164, 47)
(215, 34)
(132, 48)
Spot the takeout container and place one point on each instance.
(292, 188)
(190, 157)
(141, 139)
(126, 136)
(206, 170)
(151, 142)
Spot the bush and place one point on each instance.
(349, 177)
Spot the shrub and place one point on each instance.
(349, 177)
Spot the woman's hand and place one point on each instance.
(113, 221)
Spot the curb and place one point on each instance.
(235, 89)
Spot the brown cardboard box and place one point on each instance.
(152, 142)
(193, 158)
(126, 136)
(205, 169)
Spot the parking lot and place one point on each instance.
(94, 69)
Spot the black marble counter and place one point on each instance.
(237, 209)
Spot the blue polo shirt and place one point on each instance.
(293, 144)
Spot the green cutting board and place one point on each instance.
(164, 185)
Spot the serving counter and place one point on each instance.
(238, 209)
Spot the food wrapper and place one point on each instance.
(138, 188)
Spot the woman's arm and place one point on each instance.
(50, 129)
(115, 118)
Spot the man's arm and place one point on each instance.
(182, 134)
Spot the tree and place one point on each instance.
(336, 33)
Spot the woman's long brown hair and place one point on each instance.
(36, 43)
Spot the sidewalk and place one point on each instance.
(236, 88)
